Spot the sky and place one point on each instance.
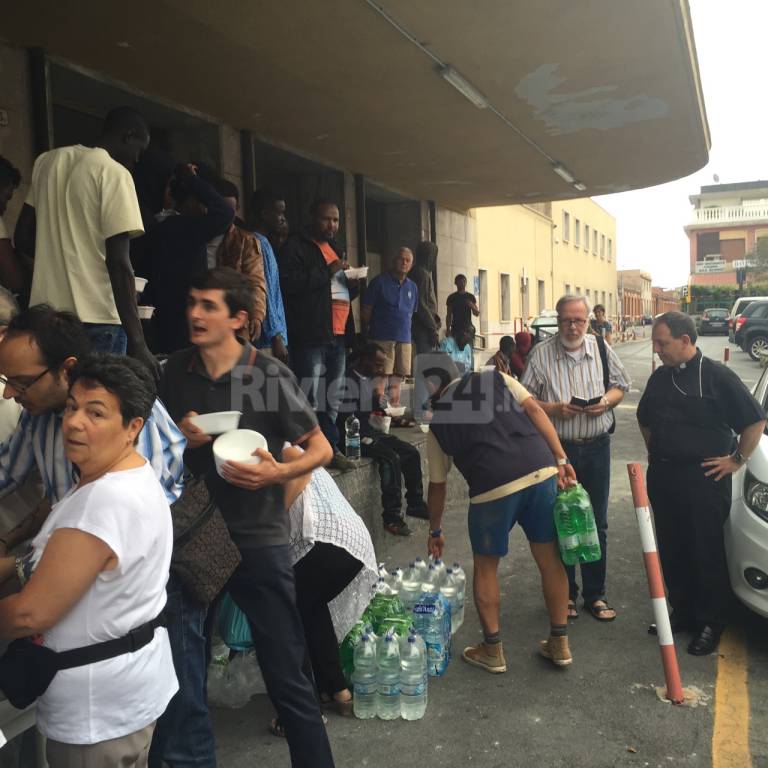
(730, 44)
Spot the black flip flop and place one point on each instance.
(596, 610)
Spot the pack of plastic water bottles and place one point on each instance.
(404, 638)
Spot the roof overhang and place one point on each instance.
(608, 89)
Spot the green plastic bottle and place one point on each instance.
(565, 524)
(575, 525)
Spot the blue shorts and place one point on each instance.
(491, 521)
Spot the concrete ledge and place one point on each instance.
(362, 488)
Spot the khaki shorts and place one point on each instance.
(398, 357)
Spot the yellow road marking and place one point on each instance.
(730, 732)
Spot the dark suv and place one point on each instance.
(714, 321)
(751, 331)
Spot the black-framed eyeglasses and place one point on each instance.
(20, 387)
(579, 322)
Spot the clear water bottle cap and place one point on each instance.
(411, 638)
(412, 564)
(438, 561)
(456, 565)
(432, 567)
(449, 570)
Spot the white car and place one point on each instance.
(746, 530)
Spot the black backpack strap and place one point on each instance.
(133, 641)
(601, 347)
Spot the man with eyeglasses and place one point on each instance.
(40, 347)
(578, 380)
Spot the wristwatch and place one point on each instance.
(436, 534)
(738, 456)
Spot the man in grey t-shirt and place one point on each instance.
(220, 374)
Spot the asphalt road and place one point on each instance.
(603, 711)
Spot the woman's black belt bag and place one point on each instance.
(27, 669)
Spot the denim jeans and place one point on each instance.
(107, 338)
(320, 371)
(592, 464)
(184, 733)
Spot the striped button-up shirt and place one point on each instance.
(38, 441)
(552, 375)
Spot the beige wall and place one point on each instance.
(582, 271)
(16, 137)
(514, 241)
(457, 243)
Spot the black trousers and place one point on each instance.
(322, 574)
(263, 587)
(397, 461)
(689, 511)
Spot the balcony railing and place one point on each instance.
(730, 214)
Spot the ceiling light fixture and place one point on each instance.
(563, 173)
(463, 86)
(580, 186)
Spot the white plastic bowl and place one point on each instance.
(395, 410)
(424, 428)
(217, 423)
(145, 313)
(141, 283)
(356, 273)
(238, 445)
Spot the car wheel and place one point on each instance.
(756, 345)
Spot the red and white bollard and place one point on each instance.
(727, 355)
(656, 585)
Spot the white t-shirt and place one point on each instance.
(112, 698)
(81, 197)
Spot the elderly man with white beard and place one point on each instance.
(578, 380)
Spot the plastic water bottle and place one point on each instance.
(413, 680)
(410, 589)
(396, 579)
(432, 619)
(461, 585)
(364, 679)
(440, 568)
(421, 564)
(450, 592)
(566, 524)
(352, 426)
(430, 581)
(575, 524)
(588, 539)
(388, 677)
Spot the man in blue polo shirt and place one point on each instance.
(386, 315)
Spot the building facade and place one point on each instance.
(530, 255)
(585, 252)
(635, 281)
(664, 300)
(728, 220)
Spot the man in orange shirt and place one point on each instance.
(317, 298)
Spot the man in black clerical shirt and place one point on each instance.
(689, 412)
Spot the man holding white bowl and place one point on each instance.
(220, 374)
